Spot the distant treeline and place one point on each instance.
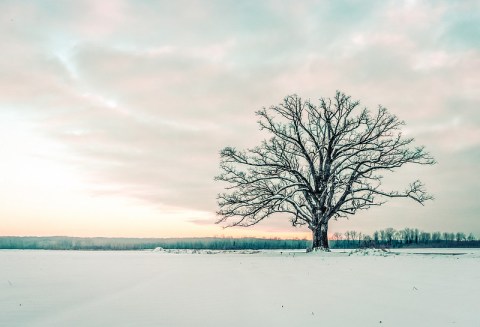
(407, 237)
(386, 238)
(103, 243)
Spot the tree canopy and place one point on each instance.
(321, 162)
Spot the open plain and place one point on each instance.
(427, 287)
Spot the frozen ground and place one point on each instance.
(73, 288)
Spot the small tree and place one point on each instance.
(460, 237)
(471, 237)
(436, 237)
(337, 236)
(321, 162)
(348, 236)
(383, 236)
(425, 237)
(390, 235)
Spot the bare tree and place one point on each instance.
(367, 241)
(322, 161)
(353, 235)
(360, 237)
(390, 235)
(460, 237)
(425, 237)
(347, 236)
(436, 237)
(337, 236)
(471, 237)
(383, 236)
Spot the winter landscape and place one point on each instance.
(427, 287)
(239, 163)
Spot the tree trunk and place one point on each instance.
(320, 238)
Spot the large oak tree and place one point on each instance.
(322, 161)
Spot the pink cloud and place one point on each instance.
(102, 18)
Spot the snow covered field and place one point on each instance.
(271, 288)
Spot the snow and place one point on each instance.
(421, 287)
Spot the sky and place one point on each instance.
(113, 113)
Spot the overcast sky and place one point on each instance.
(112, 113)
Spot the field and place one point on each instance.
(408, 287)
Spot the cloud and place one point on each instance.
(144, 94)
